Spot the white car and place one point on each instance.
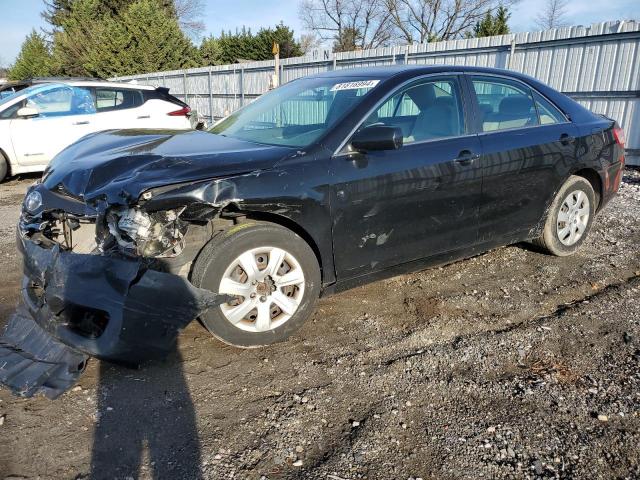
(40, 121)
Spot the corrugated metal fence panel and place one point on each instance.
(598, 64)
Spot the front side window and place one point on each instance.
(504, 105)
(298, 113)
(425, 110)
(61, 101)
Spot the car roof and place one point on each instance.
(74, 82)
(393, 70)
(98, 83)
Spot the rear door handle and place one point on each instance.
(466, 157)
(86, 122)
(566, 139)
(141, 117)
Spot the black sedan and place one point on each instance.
(326, 183)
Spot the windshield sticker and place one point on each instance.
(355, 85)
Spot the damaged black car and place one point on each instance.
(326, 183)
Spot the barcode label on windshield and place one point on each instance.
(355, 85)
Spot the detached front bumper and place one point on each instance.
(112, 308)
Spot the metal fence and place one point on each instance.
(598, 65)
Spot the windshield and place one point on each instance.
(296, 114)
(8, 96)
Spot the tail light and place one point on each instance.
(183, 112)
(618, 133)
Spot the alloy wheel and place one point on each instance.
(267, 284)
(573, 217)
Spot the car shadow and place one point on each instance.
(146, 426)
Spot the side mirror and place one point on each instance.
(27, 112)
(377, 137)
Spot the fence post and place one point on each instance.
(512, 53)
(184, 86)
(242, 86)
(210, 97)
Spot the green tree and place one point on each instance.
(144, 38)
(34, 59)
(211, 51)
(348, 39)
(244, 45)
(56, 12)
(80, 33)
(493, 24)
(282, 35)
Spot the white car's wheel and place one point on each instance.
(272, 275)
(4, 167)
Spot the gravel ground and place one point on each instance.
(512, 364)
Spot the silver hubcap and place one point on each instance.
(573, 217)
(268, 286)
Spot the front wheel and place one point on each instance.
(273, 276)
(569, 218)
(4, 167)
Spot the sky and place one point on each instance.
(18, 17)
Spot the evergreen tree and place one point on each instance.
(244, 45)
(493, 24)
(349, 39)
(80, 33)
(58, 11)
(211, 51)
(282, 35)
(34, 59)
(144, 38)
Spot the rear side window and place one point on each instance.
(162, 93)
(504, 105)
(547, 111)
(423, 111)
(109, 99)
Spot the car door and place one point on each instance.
(525, 143)
(65, 114)
(395, 206)
(120, 108)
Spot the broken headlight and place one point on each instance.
(157, 234)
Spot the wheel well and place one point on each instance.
(595, 181)
(291, 225)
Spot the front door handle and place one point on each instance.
(142, 117)
(566, 139)
(466, 157)
(85, 122)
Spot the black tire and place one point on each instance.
(4, 167)
(550, 240)
(228, 245)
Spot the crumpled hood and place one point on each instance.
(117, 166)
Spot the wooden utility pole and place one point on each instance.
(275, 82)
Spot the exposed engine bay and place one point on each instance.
(157, 234)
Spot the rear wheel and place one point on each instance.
(569, 218)
(273, 276)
